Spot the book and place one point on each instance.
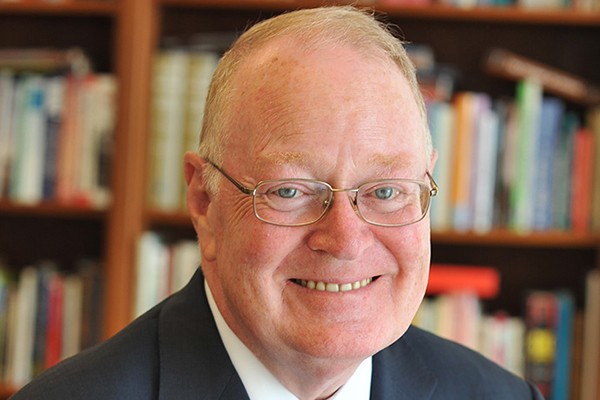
(441, 122)
(561, 384)
(186, 259)
(55, 311)
(465, 111)
(485, 166)
(55, 91)
(152, 262)
(27, 171)
(582, 180)
(506, 64)
(7, 93)
(590, 369)
(19, 368)
(593, 124)
(72, 315)
(541, 321)
(551, 116)
(169, 92)
(528, 103)
(563, 160)
(91, 302)
(448, 278)
(550, 318)
(504, 161)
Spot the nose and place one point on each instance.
(341, 232)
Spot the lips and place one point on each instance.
(334, 287)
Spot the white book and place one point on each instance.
(72, 315)
(98, 98)
(186, 259)
(485, 167)
(169, 95)
(23, 331)
(27, 174)
(151, 264)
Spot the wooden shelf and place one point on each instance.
(51, 210)
(76, 8)
(552, 239)
(498, 15)
(509, 14)
(178, 219)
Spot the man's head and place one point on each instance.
(325, 95)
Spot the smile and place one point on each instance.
(334, 287)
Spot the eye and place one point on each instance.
(287, 192)
(384, 193)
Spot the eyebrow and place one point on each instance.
(288, 157)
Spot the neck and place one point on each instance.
(309, 378)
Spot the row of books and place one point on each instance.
(46, 315)
(56, 134)
(544, 345)
(180, 83)
(526, 164)
(162, 268)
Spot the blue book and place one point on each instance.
(551, 116)
(564, 344)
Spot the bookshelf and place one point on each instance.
(121, 37)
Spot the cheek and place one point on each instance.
(413, 256)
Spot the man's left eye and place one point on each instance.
(384, 193)
(287, 193)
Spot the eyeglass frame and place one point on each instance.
(433, 191)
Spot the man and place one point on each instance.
(309, 197)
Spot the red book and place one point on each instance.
(582, 180)
(55, 321)
(483, 281)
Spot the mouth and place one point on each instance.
(334, 287)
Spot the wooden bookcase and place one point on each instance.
(121, 37)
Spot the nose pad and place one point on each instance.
(354, 203)
(328, 203)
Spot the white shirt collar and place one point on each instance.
(258, 380)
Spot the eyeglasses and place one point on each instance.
(298, 202)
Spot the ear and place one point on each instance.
(199, 203)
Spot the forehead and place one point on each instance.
(285, 95)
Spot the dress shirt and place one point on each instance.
(258, 380)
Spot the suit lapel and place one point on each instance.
(193, 361)
(399, 373)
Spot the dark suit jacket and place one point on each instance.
(174, 352)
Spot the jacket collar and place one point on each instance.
(193, 361)
(400, 373)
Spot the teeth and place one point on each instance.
(335, 287)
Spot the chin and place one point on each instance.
(346, 343)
